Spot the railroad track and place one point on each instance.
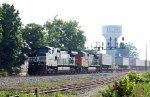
(81, 85)
(84, 85)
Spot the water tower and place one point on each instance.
(112, 33)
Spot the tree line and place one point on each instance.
(17, 41)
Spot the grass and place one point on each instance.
(29, 86)
(41, 85)
(142, 90)
(7, 94)
(22, 89)
(57, 94)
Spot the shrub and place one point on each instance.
(108, 92)
(147, 75)
(125, 87)
(58, 94)
(131, 85)
(3, 74)
(16, 70)
(135, 77)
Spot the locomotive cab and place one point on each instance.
(43, 60)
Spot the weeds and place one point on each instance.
(132, 85)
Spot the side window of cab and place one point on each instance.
(49, 50)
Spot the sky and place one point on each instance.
(132, 15)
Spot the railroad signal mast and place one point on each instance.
(100, 46)
(111, 34)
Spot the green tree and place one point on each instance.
(55, 31)
(73, 38)
(0, 25)
(66, 35)
(11, 42)
(34, 36)
(1, 33)
(130, 51)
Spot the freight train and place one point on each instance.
(50, 60)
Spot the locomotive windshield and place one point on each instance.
(43, 50)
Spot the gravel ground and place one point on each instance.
(32, 79)
(11, 83)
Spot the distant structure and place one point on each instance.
(112, 33)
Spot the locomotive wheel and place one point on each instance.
(52, 70)
(72, 70)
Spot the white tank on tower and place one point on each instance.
(112, 33)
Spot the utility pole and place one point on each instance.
(146, 57)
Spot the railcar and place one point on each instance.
(132, 63)
(105, 62)
(122, 63)
(82, 61)
(140, 64)
(43, 61)
(93, 63)
(66, 62)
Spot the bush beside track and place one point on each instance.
(3, 74)
(131, 85)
